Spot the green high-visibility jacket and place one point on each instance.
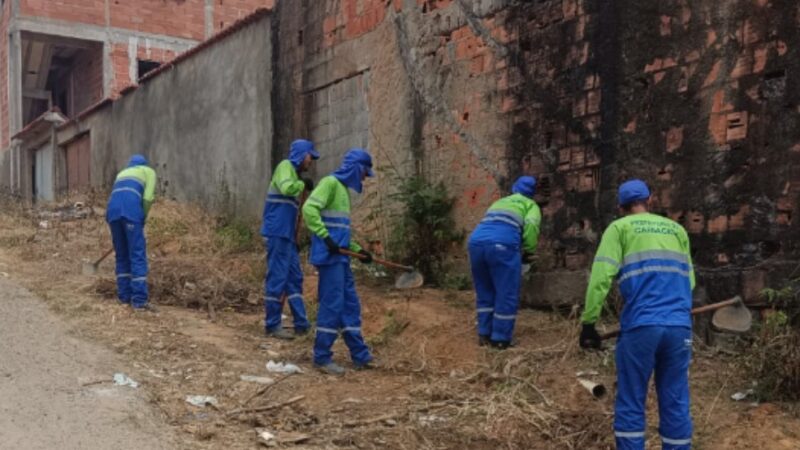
(649, 256)
(327, 213)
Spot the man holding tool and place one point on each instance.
(284, 275)
(649, 256)
(507, 236)
(131, 198)
(327, 215)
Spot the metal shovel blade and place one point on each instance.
(736, 319)
(89, 268)
(409, 280)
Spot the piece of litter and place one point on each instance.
(201, 400)
(255, 379)
(286, 368)
(265, 437)
(390, 422)
(584, 373)
(120, 379)
(352, 400)
(431, 419)
(4, 274)
(44, 224)
(739, 396)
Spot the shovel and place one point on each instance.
(90, 268)
(411, 279)
(729, 315)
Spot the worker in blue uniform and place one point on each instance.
(131, 198)
(649, 257)
(284, 276)
(506, 237)
(327, 216)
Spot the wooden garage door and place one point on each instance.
(78, 162)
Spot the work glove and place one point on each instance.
(368, 257)
(527, 258)
(589, 337)
(309, 184)
(333, 247)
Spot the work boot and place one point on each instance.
(146, 308)
(369, 365)
(280, 333)
(501, 345)
(124, 302)
(300, 331)
(483, 340)
(331, 369)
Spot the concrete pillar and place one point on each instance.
(209, 10)
(14, 82)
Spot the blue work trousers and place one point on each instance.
(284, 276)
(496, 273)
(130, 250)
(640, 352)
(339, 311)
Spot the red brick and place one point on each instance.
(711, 37)
(737, 221)
(718, 224)
(674, 139)
(719, 104)
(579, 106)
(736, 126)
(695, 223)
(657, 64)
(718, 128)
(593, 101)
(781, 47)
(666, 26)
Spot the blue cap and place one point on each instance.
(137, 160)
(525, 185)
(361, 157)
(633, 191)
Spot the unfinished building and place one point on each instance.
(59, 58)
(697, 98)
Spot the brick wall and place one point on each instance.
(84, 11)
(88, 78)
(227, 12)
(697, 98)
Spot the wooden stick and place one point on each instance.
(382, 262)
(268, 407)
(700, 309)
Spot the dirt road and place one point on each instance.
(51, 394)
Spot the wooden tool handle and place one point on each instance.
(382, 262)
(105, 255)
(698, 310)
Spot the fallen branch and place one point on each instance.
(266, 408)
(262, 390)
(358, 423)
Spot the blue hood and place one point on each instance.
(525, 186)
(355, 163)
(137, 160)
(298, 151)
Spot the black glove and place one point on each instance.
(368, 255)
(589, 337)
(309, 184)
(333, 247)
(527, 258)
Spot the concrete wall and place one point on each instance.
(205, 125)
